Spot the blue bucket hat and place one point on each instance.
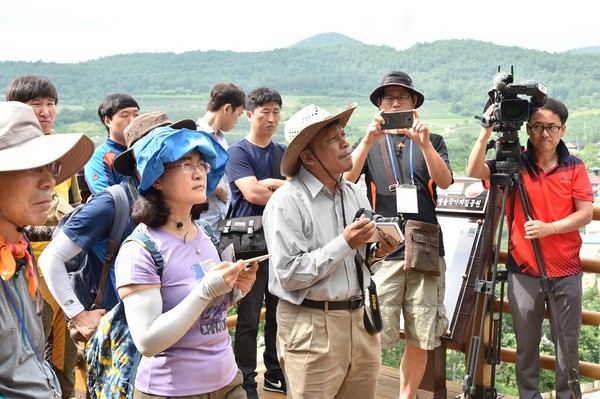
(165, 144)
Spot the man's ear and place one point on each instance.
(307, 157)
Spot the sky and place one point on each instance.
(70, 31)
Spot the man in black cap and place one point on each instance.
(403, 168)
(323, 344)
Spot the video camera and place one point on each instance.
(509, 114)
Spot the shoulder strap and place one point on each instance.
(276, 161)
(386, 162)
(131, 187)
(115, 238)
(206, 226)
(148, 244)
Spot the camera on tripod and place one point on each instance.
(510, 112)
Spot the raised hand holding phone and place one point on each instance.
(397, 120)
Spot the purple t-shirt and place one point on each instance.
(202, 360)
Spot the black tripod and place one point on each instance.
(485, 289)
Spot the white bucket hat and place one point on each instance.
(23, 145)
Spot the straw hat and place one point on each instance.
(302, 127)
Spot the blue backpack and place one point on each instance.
(111, 355)
(87, 287)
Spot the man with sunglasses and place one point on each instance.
(560, 194)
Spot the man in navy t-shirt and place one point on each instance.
(253, 179)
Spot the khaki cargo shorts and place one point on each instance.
(420, 299)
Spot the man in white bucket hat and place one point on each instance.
(31, 164)
(322, 340)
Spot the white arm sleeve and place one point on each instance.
(52, 262)
(154, 331)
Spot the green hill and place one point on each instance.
(330, 70)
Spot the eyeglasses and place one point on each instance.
(53, 168)
(391, 99)
(190, 167)
(539, 129)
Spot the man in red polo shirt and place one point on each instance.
(560, 193)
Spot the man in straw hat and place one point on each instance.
(311, 231)
(90, 228)
(31, 164)
(403, 169)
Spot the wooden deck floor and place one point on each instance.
(388, 385)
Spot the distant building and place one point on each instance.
(575, 146)
(595, 180)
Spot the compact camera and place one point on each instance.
(389, 225)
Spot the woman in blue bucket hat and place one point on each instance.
(178, 320)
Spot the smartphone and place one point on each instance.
(397, 120)
(250, 261)
(391, 228)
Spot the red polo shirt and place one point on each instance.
(551, 195)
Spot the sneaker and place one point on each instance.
(251, 391)
(275, 385)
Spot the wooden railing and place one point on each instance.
(588, 318)
(437, 359)
(436, 368)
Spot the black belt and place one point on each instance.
(352, 303)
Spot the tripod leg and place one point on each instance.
(485, 289)
(568, 308)
(546, 284)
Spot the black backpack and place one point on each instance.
(88, 290)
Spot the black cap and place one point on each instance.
(396, 78)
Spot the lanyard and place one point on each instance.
(391, 155)
(22, 321)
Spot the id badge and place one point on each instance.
(406, 198)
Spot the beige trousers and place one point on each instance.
(326, 354)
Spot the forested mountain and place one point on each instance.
(329, 69)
